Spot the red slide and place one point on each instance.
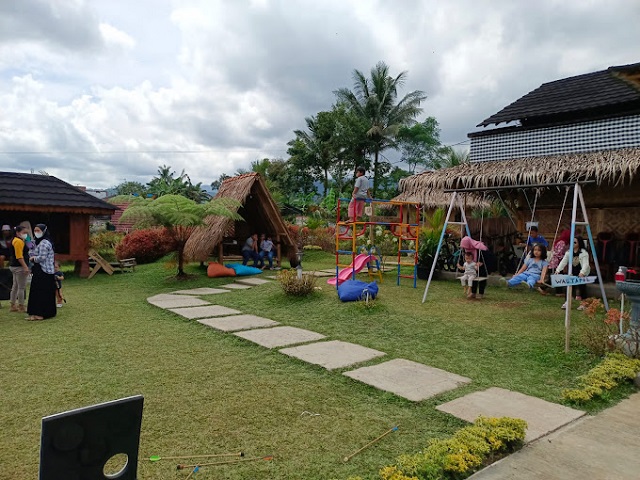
(358, 264)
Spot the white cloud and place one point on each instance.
(230, 80)
(113, 36)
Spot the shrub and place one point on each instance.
(608, 374)
(462, 454)
(146, 246)
(299, 235)
(312, 247)
(599, 326)
(105, 243)
(324, 238)
(297, 287)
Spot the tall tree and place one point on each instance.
(131, 188)
(167, 183)
(374, 100)
(420, 144)
(179, 215)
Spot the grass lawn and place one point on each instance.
(211, 392)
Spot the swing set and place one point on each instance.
(578, 200)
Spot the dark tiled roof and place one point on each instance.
(605, 88)
(26, 189)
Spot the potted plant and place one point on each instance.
(429, 238)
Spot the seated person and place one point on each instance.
(579, 268)
(533, 270)
(266, 250)
(535, 239)
(250, 250)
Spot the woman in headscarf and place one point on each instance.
(485, 261)
(42, 295)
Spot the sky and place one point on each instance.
(98, 92)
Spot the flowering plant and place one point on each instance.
(601, 325)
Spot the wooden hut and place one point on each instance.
(223, 236)
(65, 209)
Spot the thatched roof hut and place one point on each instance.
(613, 167)
(259, 211)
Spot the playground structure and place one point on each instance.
(404, 226)
(578, 202)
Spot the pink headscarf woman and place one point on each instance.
(471, 245)
(560, 247)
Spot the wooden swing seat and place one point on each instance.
(477, 279)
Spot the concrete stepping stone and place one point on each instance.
(235, 286)
(238, 322)
(411, 380)
(333, 354)
(176, 301)
(201, 291)
(252, 282)
(542, 417)
(280, 336)
(206, 311)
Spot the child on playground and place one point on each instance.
(59, 277)
(533, 270)
(470, 272)
(360, 194)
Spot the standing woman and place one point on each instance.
(42, 295)
(19, 269)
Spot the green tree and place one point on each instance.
(375, 101)
(131, 188)
(215, 185)
(179, 215)
(167, 183)
(448, 157)
(389, 183)
(420, 144)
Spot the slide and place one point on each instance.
(358, 264)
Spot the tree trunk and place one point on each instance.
(181, 260)
(326, 183)
(374, 190)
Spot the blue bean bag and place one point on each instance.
(243, 270)
(353, 290)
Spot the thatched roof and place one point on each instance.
(437, 198)
(613, 167)
(258, 209)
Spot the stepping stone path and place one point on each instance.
(238, 322)
(333, 354)
(323, 274)
(206, 311)
(252, 282)
(175, 301)
(202, 291)
(280, 336)
(235, 286)
(542, 417)
(411, 380)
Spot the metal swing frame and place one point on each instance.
(578, 198)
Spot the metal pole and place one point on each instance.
(435, 259)
(567, 312)
(593, 249)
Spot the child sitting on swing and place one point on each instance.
(470, 272)
(533, 270)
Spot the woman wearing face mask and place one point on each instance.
(42, 295)
(19, 269)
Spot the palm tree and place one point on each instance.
(374, 100)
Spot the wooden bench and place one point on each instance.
(97, 262)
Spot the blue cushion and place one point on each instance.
(243, 270)
(352, 290)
